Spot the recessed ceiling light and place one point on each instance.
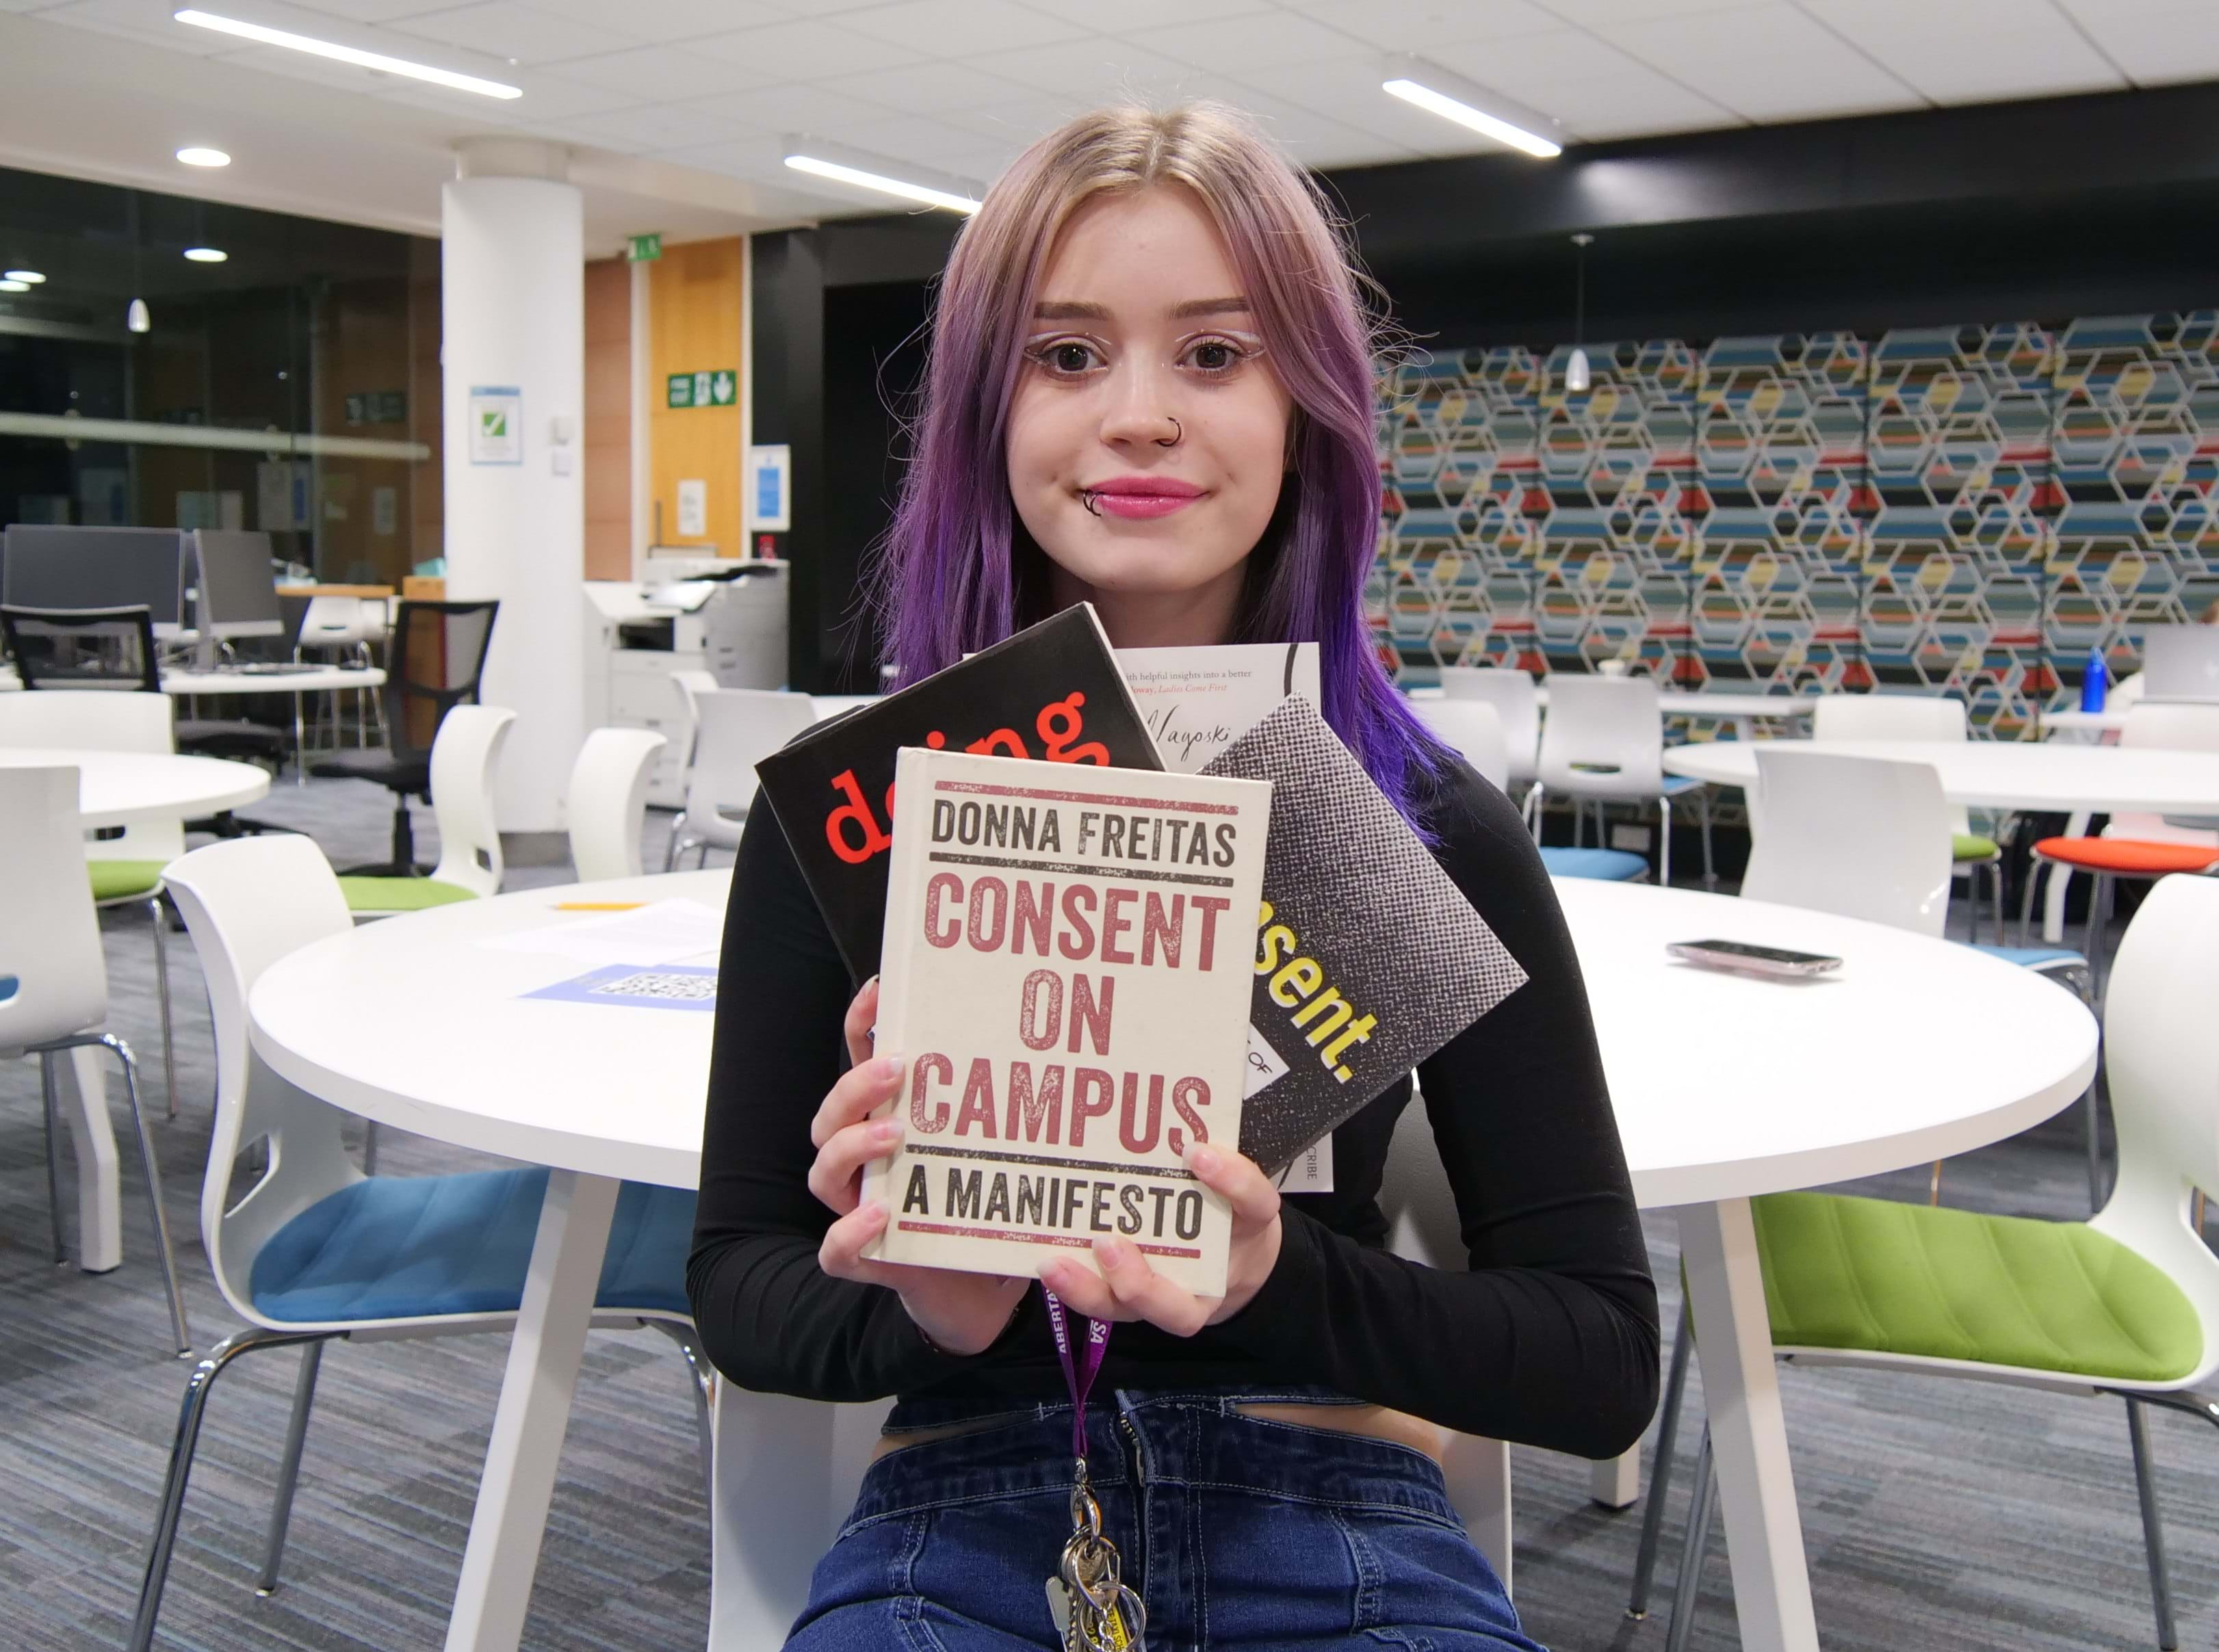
(28, 277)
(339, 53)
(197, 157)
(1443, 92)
(207, 254)
(871, 176)
(14, 286)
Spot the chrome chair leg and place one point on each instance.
(1710, 870)
(1663, 842)
(704, 1384)
(370, 1148)
(53, 1153)
(2033, 867)
(181, 1465)
(1692, 1548)
(1996, 890)
(1660, 1468)
(162, 994)
(2152, 1530)
(289, 1472)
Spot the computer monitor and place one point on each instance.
(237, 585)
(49, 567)
(2181, 662)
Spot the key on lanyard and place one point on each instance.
(1093, 1610)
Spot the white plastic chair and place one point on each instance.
(125, 870)
(688, 685)
(346, 626)
(1603, 742)
(1473, 729)
(608, 802)
(1919, 717)
(787, 1469)
(1511, 692)
(248, 903)
(2162, 1049)
(53, 980)
(736, 729)
(464, 754)
(2167, 726)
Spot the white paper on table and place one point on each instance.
(663, 932)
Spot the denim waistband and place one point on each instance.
(1140, 1437)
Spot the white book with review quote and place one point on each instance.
(1066, 974)
(1197, 701)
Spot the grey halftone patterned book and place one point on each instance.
(1369, 958)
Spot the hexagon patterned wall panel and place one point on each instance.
(1960, 510)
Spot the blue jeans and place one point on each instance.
(1236, 1532)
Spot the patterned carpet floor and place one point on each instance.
(1935, 1514)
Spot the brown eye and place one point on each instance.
(1070, 358)
(1214, 356)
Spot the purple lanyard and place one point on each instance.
(1077, 1375)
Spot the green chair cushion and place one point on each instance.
(401, 894)
(1872, 1273)
(115, 880)
(1971, 846)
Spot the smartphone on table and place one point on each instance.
(1750, 960)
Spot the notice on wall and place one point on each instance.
(281, 495)
(770, 478)
(693, 508)
(384, 511)
(496, 424)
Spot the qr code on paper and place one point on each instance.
(654, 984)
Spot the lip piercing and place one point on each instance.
(1178, 434)
(1091, 501)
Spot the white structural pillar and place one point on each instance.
(513, 344)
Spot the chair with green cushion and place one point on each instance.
(2125, 1304)
(463, 756)
(124, 863)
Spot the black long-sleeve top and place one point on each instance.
(1551, 1338)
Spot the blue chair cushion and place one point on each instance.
(1676, 784)
(405, 1247)
(1616, 865)
(2035, 956)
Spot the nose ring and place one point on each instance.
(1177, 435)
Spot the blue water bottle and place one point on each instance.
(2093, 678)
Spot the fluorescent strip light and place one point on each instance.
(884, 185)
(207, 254)
(28, 277)
(14, 286)
(339, 54)
(1439, 92)
(198, 157)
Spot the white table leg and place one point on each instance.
(503, 1553)
(82, 1086)
(1615, 1482)
(1748, 1436)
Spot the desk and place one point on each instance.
(1995, 1049)
(2007, 774)
(324, 679)
(123, 788)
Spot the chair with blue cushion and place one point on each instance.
(315, 1250)
(1473, 729)
(2124, 1305)
(1603, 742)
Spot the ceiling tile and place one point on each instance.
(1137, 16)
(371, 11)
(1347, 91)
(145, 20)
(1415, 25)
(1018, 122)
(666, 20)
(932, 143)
(806, 108)
(1971, 50)
(2154, 42)
(1091, 72)
(805, 49)
(1232, 44)
(665, 125)
(1601, 15)
(1765, 62)
(925, 88)
(651, 73)
(955, 29)
(503, 28)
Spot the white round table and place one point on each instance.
(1742, 710)
(1724, 1087)
(123, 788)
(2007, 774)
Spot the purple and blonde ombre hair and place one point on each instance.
(958, 572)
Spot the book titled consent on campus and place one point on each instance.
(1065, 973)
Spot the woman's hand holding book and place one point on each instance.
(958, 1312)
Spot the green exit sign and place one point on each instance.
(645, 249)
(712, 388)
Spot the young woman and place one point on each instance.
(1150, 387)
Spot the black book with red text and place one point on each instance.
(1368, 958)
(1053, 692)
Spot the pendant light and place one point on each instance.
(136, 317)
(1577, 376)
